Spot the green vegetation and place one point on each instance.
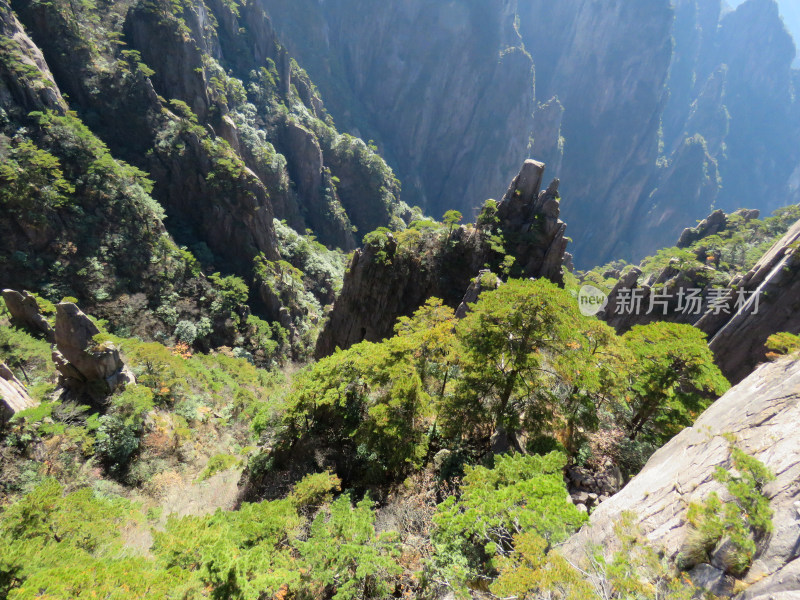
(430, 462)
(715, 259)
(731, 528)
(521, 495)
(783, 343)
(673, 380)
(70, 546)
(635, 570)
(523, 364)
(33, 176)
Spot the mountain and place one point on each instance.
(236, 364)
(392, 277)
(681, 474)
(229, 153)
(790, 12)
(741, 269)
(652, 118)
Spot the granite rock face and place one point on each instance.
(25, 313)
(529, 220)
(18, 88)
(607, 65)
(13, 395)
(738, 336)
(756, 305)
(762, 413)
(84, 365)
(652, 117)
(446, 89)
(384, 283)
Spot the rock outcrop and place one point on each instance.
(486, 280)
(25, 313)
(25, 79)
(762, 413)
(773, 291)
(715, 223)
(529, 220)
(85, 366)
(385, 281)
(13, 395)
(750, 309)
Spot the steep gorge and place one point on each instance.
(652, 117)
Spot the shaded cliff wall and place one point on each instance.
(652, 117)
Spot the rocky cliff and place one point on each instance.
(445, 88)
(607, 65)
(731, 122)
(759, 413)
(773, 288)
(650, 116)
(738, 313)
(223, 133)
(392, 277)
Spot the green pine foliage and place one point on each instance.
(69, 545)
(635, 570)
(740, 522)
(521, 495)
(524, 364)
(783, 343)
(673, 379)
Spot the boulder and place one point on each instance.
(712, 225)
(484, 281)
(84, 365)
(13, 395)
(712, 579)
(25, 313)
(763, 413)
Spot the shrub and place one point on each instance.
(783, 343)
(217, 464)
(116, 442)
(520, 495)
(344, 554)
(740, 522)
(186, 332)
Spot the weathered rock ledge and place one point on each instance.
(763, 413)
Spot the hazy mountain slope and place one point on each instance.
(443, 87)
(653, 117)
(607, 65)
(790, 11)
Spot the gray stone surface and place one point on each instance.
(84, 365)
(712, 579)
(763, 412)
(13, 395)
(25, 313)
